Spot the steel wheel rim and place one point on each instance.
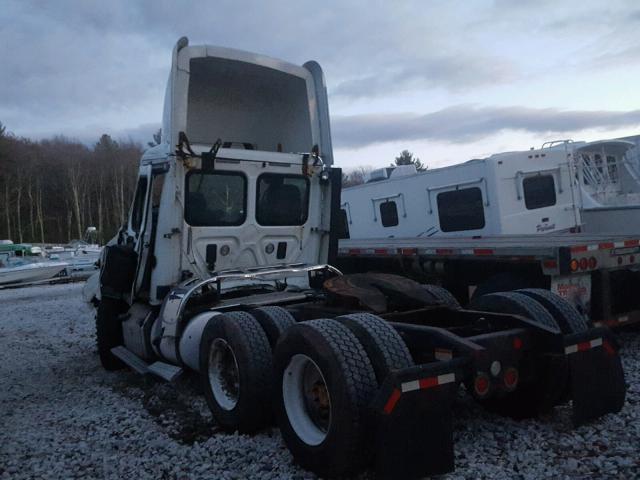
(224, 375)
(307, 400)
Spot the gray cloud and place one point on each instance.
(76, 67)
(467, 123)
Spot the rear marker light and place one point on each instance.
(511, 378)
(481, 385)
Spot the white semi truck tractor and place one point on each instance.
(223, 269)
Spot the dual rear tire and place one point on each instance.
(318, 377)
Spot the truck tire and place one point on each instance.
(109, 332)
(236, 372)
(382, 343)
(517, 304)
(274, 321)
(567, 317)
(443, 296)
(324, 384)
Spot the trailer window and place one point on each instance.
(282, 199)
(539, 191)
(389, 214)
(215, 199)
(460, 210)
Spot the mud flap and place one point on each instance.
(413, 421)
(596, 377)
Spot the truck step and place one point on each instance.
(165, 370)
(131, 359)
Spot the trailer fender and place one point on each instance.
(596, 377)
(413, 421)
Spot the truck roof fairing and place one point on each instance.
(215, 92)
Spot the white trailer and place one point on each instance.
(562, 187)
(223, 269)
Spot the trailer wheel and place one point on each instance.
(517, 304)
(324, 383)
(274, 321)
(443, 296)
(109, 332)
(236, 372)
(383, 344)
(567, 317)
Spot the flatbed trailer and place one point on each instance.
(598, 274)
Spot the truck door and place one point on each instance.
(138, 234)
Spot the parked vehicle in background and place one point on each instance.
(562, 187)
(224, 268)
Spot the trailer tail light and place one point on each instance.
(573, 265)
(584, 264)
(510, 378)
(481, 385)
(593, 263)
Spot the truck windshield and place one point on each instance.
(282, 199)
(215, 199)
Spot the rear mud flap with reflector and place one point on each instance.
(596, 377)
(413, 421)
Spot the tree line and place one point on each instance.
(52, 190)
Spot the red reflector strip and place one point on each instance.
(444, 251)
(482, 251)
(380, 251)
(354, 251)
(578, 249)
(605, 245)
(428, 382)
(608, 348)
(631, 243)
(409, 251)
(581, 347)
(391, 403)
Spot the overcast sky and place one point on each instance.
(447, 80)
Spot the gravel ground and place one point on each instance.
(62, 416)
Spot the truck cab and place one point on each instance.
(242, 177)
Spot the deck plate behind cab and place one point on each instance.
(377, 291)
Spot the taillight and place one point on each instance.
(584, 264)
(481, 385)
(510, 378)
(573, 265)
(593, 263)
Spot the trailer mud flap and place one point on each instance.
(596, 377)
(413, 421)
